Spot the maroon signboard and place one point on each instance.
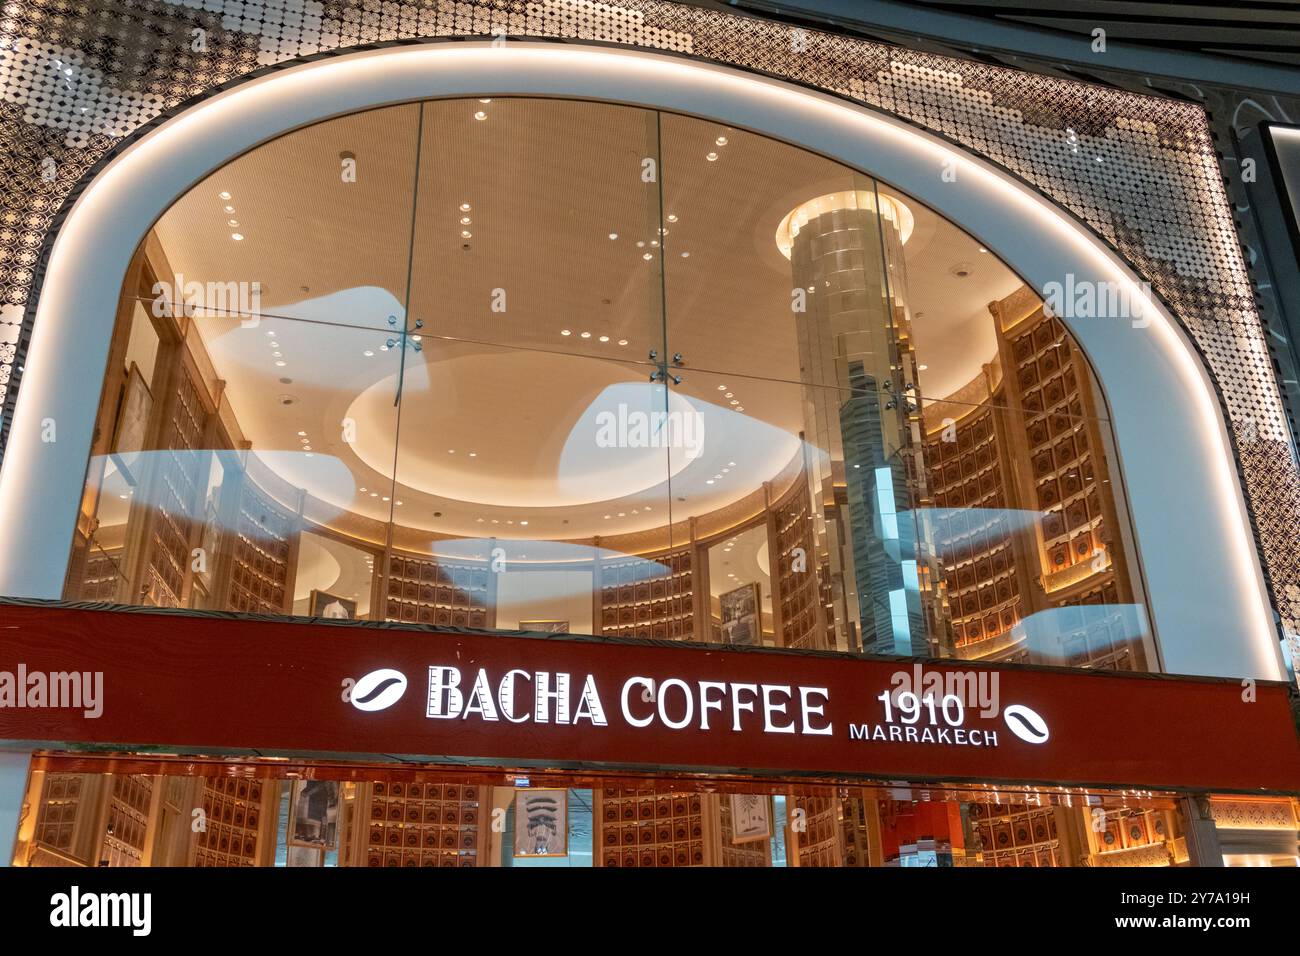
(196, 682)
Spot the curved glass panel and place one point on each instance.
(580, 368)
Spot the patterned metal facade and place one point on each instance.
(79, 77)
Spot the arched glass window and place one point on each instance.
(566, 366)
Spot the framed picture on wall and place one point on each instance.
(324, 604)
(541, 822)
(751, 817)
(296, 855)
(314, 813)
(741, 621)
(132, 424)
(545, 627)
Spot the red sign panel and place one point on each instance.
(73, 675)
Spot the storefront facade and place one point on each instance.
(923, 404)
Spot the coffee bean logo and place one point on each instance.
(378, 689)
(1026, 724)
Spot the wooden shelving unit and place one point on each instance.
(260, 571)
(236, 811)
(648, 828)
(650, 597)
(438, 823)
(1015, 834)
(441, 592)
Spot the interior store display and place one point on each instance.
(426, 817)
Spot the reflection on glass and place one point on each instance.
(238, 477)
(658, 379)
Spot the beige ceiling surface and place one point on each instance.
(547, 184)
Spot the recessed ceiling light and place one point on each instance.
(604, 338)
(982, 249)
(672, 218)
(367, 353)
(466, 234)
(732, 464)
(451, 451)
(566, 332)
(585, 335)
(622, 514)
(473, 454)
(613, 235)
(228, 208)
(740, 408)
(224, 195)
(232, 222)
(622, 341)
(300, 434)
(277, 354)
(464, 220)
(464, 207)
(480, 115)
(686, 255)
(385, 498)
(922, 368)
(721, 141)
(728, 395)
(281, 364)
(648, 256)
(272, 332)
(485, 101)
(237, 236)
(711, 157)
(306, 447)
(640, 243)
(523, 522)
(709, 481)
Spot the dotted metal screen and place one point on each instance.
(77, 76)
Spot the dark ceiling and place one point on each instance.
(1267, 30)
